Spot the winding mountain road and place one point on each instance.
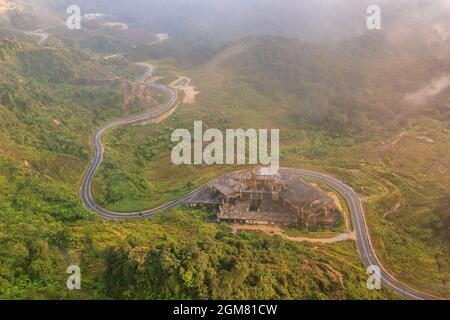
(363, 243)
(42, 35)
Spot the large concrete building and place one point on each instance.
(259, 196)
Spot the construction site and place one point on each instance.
(266, 197)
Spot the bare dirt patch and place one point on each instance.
(162, 37)
(184, 84)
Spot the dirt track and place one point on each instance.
(274, 230)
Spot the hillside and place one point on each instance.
(371, 109)
(28, 15)
(199, 29)
(348, 110)
(337, 114)
(43, 227)
(338, 111)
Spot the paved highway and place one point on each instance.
(43, 36)
(363, 243)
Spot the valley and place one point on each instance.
(55, 229)
(86, 176)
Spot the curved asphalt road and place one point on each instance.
(363, 243)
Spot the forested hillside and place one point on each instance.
(344, 89)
